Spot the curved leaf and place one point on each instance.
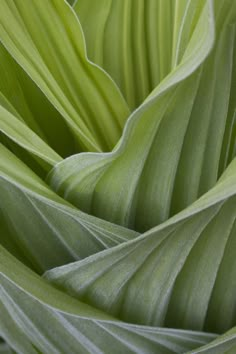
(23, 98)
(223, 344)
(179, 274)
(174, 168)
(18, 131)
(148, 38)
(28, 302)
(146, 170)
(46, 39)
(42, 228)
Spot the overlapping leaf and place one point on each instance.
(46, 39)
(157, 170)
(42, 228)
(139, 58)
(22, 98)
(27, 303)
(177, 60)
(223, 344)
(179, 274)
(147, 37)
(19, 132)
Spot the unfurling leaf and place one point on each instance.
(117, 176)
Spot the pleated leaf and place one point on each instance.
(46, 39)
(43, 229)
(170, 151)
(23, 98)
(223, 344)
(130, 28)
(36, 317)
(22, 135)
(180, 274)
(147, 37)
(71, 74)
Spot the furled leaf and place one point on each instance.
(23, 98)
(18, 131)
(223, 344)
(142, 94)
(27, 303)
(148, 38)
(156, 171)
(41, 227)
(180, 274)
(139, 58)
(46, 39)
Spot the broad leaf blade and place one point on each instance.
(142, 171)
(174, 275)
(56, 61)
(137, 42)
(28, 302)
(43, 228)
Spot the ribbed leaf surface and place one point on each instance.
(41, 226)
(84, 94)
(184, 269)
(27, 303)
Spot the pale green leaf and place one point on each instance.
(170, 172)
(18, 131)
(225, 343)
(47, 320)
(41, 227)
(23, 98)
(46, 39)
(157, 170)
(148, 38)
(180, 274)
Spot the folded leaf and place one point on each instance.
(22, 97)
(42, 228)
(18, 131)
(27, 303)
(180, 274)
(123, 38)
(156, 170)
(148, 38)
(223, 344)
(170, 172)
(46, 39)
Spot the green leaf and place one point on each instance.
(27, 303)
(71, 2)
(4, 348)
(156, 170)
(18, 131)
(170, 172)
(42, 228)
(148, 39)
(46, 39)
(180, 274)
(223, 344)
(23, 98)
